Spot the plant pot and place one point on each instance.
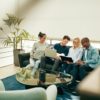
(16, 52)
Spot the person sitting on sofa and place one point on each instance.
(37, 52)
(89, 61)
(60, 48)
(75, 52)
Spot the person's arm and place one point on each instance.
(95, 57)
(55, 47)
(80, 53)
(33, 50)
(67, 50)
(69, 53)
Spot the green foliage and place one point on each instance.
(7, 41)
(12, 20)
(16, 33)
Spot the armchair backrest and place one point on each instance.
(30, 94)
(2, 88)
(24, 59)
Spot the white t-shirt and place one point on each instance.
(75, 53)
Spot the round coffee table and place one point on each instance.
(28, 80)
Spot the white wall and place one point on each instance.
(60, 17)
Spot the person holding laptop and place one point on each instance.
(75, 52)
(37, 52)
(61, 49)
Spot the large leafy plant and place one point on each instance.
(16, 34)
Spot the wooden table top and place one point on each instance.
(26, 79)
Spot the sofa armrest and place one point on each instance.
(2, 88)
(51, 92)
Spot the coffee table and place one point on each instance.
(29, 81)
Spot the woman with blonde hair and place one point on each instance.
(75, 52)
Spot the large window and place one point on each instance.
(6, 53)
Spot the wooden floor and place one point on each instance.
(7, 71)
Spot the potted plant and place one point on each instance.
(15, 35)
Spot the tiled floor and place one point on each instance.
(8, 71)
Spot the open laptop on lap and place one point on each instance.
(53, 54)
(50, 53)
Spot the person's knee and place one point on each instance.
(37, 64)
(57, 61)
(30, 65)
(81, 68)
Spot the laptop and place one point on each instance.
(50, 53)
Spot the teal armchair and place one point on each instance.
(2, 88)
(31, 94)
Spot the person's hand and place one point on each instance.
(60, 54)
(68, 62)
(58, 57)
(80, 62)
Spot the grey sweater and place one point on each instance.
(38, 50)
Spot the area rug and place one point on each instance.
(11, 83)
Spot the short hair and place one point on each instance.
(66, 37)
(40, 35)
(85, 39)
